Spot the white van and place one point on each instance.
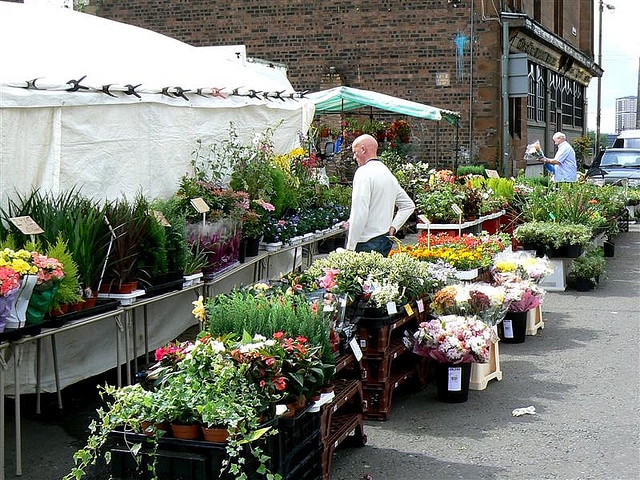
(627, 139)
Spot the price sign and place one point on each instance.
(456, 209)
(26, 225)
(200, 205)
(408, 309)
(424, 219)
(492, 173)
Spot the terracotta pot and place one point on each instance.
(89, 302)
(76, 307)
(186, 432)
(127, 287)
(215, 434)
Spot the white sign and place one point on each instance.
(507, 324)
(454, 383)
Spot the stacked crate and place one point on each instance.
(386, 363)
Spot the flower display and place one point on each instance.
(464, 252)
(520, 265)
(50, 270)
(487, 302)
(454, 339)
(18, 260)
(523, 296)
(9, 281)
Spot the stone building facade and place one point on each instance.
(453, 54)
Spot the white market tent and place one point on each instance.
(116, 109)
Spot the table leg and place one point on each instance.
(38, 374)
(134, 341)
(16, 373)
(3, 365)
(56, 372)
(146, 334)
(119, 329)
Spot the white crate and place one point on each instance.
(481, 373)
(534, 320)
(556, 282)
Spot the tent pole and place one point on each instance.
(455, 165)
(437, 143)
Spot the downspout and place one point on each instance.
(507, 167)
(472, 41)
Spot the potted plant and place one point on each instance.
(585, 271)
(555, 239)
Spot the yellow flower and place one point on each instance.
(198, 310)
(505, 266)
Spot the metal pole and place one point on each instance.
(600, 7)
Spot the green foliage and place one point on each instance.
(471, 170)
(590, 266)
(68, 291)
(552, 234)
(176, 246)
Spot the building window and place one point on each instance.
(536, 10)
(540, 94)
(536, 96)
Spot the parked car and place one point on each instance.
(614, 166)
(627, 139)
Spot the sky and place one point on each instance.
(620, 54)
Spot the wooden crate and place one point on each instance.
(377, 400)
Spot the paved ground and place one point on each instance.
(582, 374)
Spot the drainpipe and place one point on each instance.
(507, 167)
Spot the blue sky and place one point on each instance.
(620, 54)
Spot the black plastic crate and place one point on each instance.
(175, 459)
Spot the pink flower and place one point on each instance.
(266, 205)
(329, 279)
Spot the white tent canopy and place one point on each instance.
(115, 109)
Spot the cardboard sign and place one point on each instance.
(26, 225)
(424, 219)
(492, 173)
(200, 205)
(456, 209)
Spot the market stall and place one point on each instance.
(117, 109)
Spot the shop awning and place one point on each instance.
(343, 99)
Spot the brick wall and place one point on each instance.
(396, 47)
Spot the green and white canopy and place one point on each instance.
(342, 99)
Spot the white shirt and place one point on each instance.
(376, 194)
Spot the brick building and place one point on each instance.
(516, 70)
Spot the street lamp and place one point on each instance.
(601, 8)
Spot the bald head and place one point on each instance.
(364, 148)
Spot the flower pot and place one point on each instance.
(609, 248)
(17, 317)
(40, 302)
(89, 302)
(186, 432)
(127, 287)
(6, 304)
(512, 329)
(215, 434)
(252, 246)
(452, 382)
(583, 285)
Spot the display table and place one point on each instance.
(470, 226)
(90, 346)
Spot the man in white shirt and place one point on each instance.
(376, 195)
(565, 166)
